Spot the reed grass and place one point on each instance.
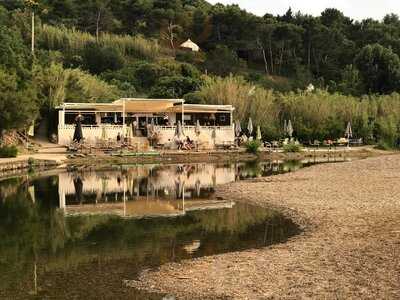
(318, 115)
(73, 40)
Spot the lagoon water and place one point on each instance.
(74, 235)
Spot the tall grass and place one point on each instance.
(65, 39)
(317, 115)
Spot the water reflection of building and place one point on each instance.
(144, 190)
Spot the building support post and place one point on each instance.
(183, 114)
(123, 117)
(61, 117)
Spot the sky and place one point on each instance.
(355, 9)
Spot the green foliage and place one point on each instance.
(194, 98)
(292, 148)
(13, 52)
(379, 68)
(18, 105)
(75, 41)
(382, 145)
(223, 61)
(317, 115)
(98, 59)
(8, 151)
(84, 87)
(253, 146)
(57, 85)
(174, 87)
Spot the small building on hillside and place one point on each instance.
(189, 45)
(210, 125)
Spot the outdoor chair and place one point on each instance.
(356, 142)
(268, 146)
(275, 144)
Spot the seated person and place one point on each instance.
(188, 144)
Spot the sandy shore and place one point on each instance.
(350, 248)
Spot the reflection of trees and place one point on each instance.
(37, 232)
(42, 230)
(237, 219)
(28, 230)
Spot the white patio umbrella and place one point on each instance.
(349, 131)
(179, 132)
(250, 127)
(238, 128)
(129, 132)
(198, 128)
(259, 137)
(289, 128)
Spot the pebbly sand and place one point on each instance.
(350, 247)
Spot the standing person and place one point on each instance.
(118, 137)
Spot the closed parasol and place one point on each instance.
(238, 129)
(289, 129)
(250, 127)
(259, 136)
(78, 134)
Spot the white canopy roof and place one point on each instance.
(190, 45)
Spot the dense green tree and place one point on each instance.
(14, 54)
(223, 61)
(98, 59)
(379, 68)
(17, 102)
(174, 87)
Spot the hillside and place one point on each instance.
(100, 50)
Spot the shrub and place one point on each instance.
(292, 147)
(253, 146)
(384, 145)
(174, 87)
(98, 59)
(8, 151)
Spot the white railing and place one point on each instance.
(93, 133)
(223, 134)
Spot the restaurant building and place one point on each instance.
(210, 125)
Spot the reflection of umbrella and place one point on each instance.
(238, 129)
(198, 187)
(78, 184)
(78, 134)
(250, 126)
(259, 137)
(214, 134)
(179, 187)
(349, 131)
(289, 128)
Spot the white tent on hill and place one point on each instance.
(189, 45)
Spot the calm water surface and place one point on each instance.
(81, 234)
